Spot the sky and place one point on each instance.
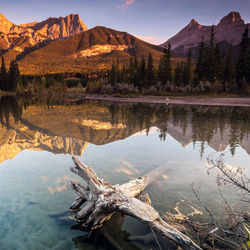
(152, 20)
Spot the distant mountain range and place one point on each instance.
(227, 32)
(66, 44)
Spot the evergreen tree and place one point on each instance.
(4, 79)
(113, 75)
(160, 73)
(212, 39)
(168, 66)
(117, 70)
(199, 69)
(210, 65)
(14, 75)
(178, 74)
(218, 67)
(243, 63)
(124, 73)
(187, 71)
(136, 72)
(142, 73)
(135, 63)
(165, 67)
(218, 63)
(150, 71)
(19, 78)
(229, 67)
(131, 70)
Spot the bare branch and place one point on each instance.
(198, 198)
(232, 176)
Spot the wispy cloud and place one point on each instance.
(151, 39)
(126, 4)
(127, 168)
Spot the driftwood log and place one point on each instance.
(103, 200)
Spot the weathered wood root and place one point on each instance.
(104, 200)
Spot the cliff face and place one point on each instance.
(5, 24)
(19, 37)
(229, 30)
(61, 27)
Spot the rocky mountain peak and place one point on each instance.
(5, 24)
(193, 24)
(229, 31)
(60, 27)
(193, 21)
(19, 37)
(233, 18)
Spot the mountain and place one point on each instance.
(5, 24)
(94, 49)
(227, 32)
(65, 44)
(61, 27)
(14, 39)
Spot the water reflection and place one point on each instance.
(113, 236)
(10, 107)
(39, 135)
(67, 126)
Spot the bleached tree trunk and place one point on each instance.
(103, 200)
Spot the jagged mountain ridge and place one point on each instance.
(92, 48)
(59, 45)
(227, 32)
(16, 38)
(99, 38)
(61, 27)
(62, 44)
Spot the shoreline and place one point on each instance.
(179, 100)
(216, 101)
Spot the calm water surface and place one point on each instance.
(170, 144)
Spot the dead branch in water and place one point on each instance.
(230, 233)
(104, 200)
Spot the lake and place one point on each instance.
(120, 141)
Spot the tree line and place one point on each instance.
(213, 71)
(10, 81)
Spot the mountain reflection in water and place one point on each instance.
(67, 126)
(39, 136)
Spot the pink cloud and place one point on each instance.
(126, 4)
(151, 39)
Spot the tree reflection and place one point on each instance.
(205, 122)
(112, 236)
(201, 125)
(10, 107)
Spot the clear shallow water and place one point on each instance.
(120, 142)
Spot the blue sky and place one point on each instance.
(152, 20)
